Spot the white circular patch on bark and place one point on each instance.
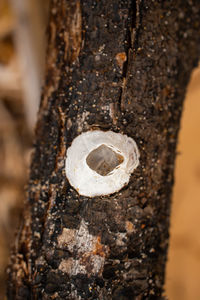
(100, 163)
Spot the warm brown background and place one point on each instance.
(182, 278)
(183, 269)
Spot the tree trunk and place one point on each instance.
(111, 65)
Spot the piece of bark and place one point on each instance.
(111, 65)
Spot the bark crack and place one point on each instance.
(132, 45)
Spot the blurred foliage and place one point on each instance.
(15, 133)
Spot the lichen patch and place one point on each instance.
(67, 238)
(89, 252)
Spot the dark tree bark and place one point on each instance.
(111, 65)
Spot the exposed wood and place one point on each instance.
(111, 65)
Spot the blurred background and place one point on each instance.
(22, 54)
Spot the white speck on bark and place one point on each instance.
(81, 119)
(121, 239)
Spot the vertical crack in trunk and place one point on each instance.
(132, 35)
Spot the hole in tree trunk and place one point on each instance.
(103, 160)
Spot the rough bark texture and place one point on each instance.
(111, 65)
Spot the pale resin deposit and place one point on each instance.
(101, 162)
